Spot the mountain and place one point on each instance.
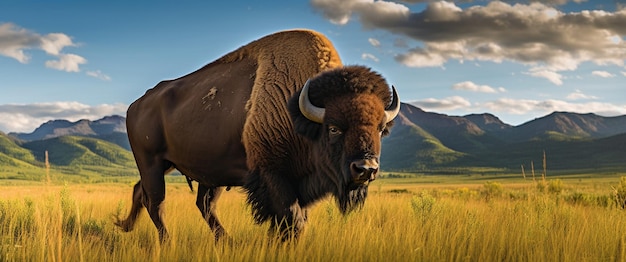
(569, 125)
(56, 128)
(488, 122)
(457, 133)
(109, 128)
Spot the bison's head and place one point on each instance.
(346, 112)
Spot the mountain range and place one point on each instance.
(423, 141)
(420, 141)
(109, 128)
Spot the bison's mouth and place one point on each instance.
(354, 184)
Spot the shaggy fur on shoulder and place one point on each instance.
(286, 61)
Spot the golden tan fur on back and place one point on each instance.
(286, 43)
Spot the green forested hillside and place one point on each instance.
(81, 151)
(430, 142)
(11, 154)
(410, 148)
(17, 162)
(607, 153)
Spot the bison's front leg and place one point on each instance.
(273, 198)
(289, 223)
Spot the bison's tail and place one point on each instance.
(128, 223)
(258, 197)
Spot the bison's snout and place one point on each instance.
(364, 170)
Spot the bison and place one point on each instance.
(280, 116)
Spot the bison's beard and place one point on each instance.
(353, 198)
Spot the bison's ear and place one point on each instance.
(303, 125)
(388, 127)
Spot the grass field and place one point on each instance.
(412, 218)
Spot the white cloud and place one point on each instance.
(67, 62)
(496, 32)
(421, 58)
(374, 42)
(433, 54)
(54, 43)
(604, 74)
(448, 103)
(578, 95)
(471, 86)
(367, 56)
(340, 11)
(337, 12)
(623, 73)
(27, 117)
(98, 74)
(14, 41)
(552, 76)
(525, 106)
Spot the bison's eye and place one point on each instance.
(334, 131)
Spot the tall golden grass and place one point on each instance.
(488, 222)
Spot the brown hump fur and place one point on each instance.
(282, 70)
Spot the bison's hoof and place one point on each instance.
(124, 226)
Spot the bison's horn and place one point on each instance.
(392, 111)
(313, 113)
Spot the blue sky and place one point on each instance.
(518, 60)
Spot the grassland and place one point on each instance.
(407, 218)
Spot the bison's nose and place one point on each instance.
(364, 169)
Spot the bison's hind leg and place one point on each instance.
(207, 202)
(128, 223)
